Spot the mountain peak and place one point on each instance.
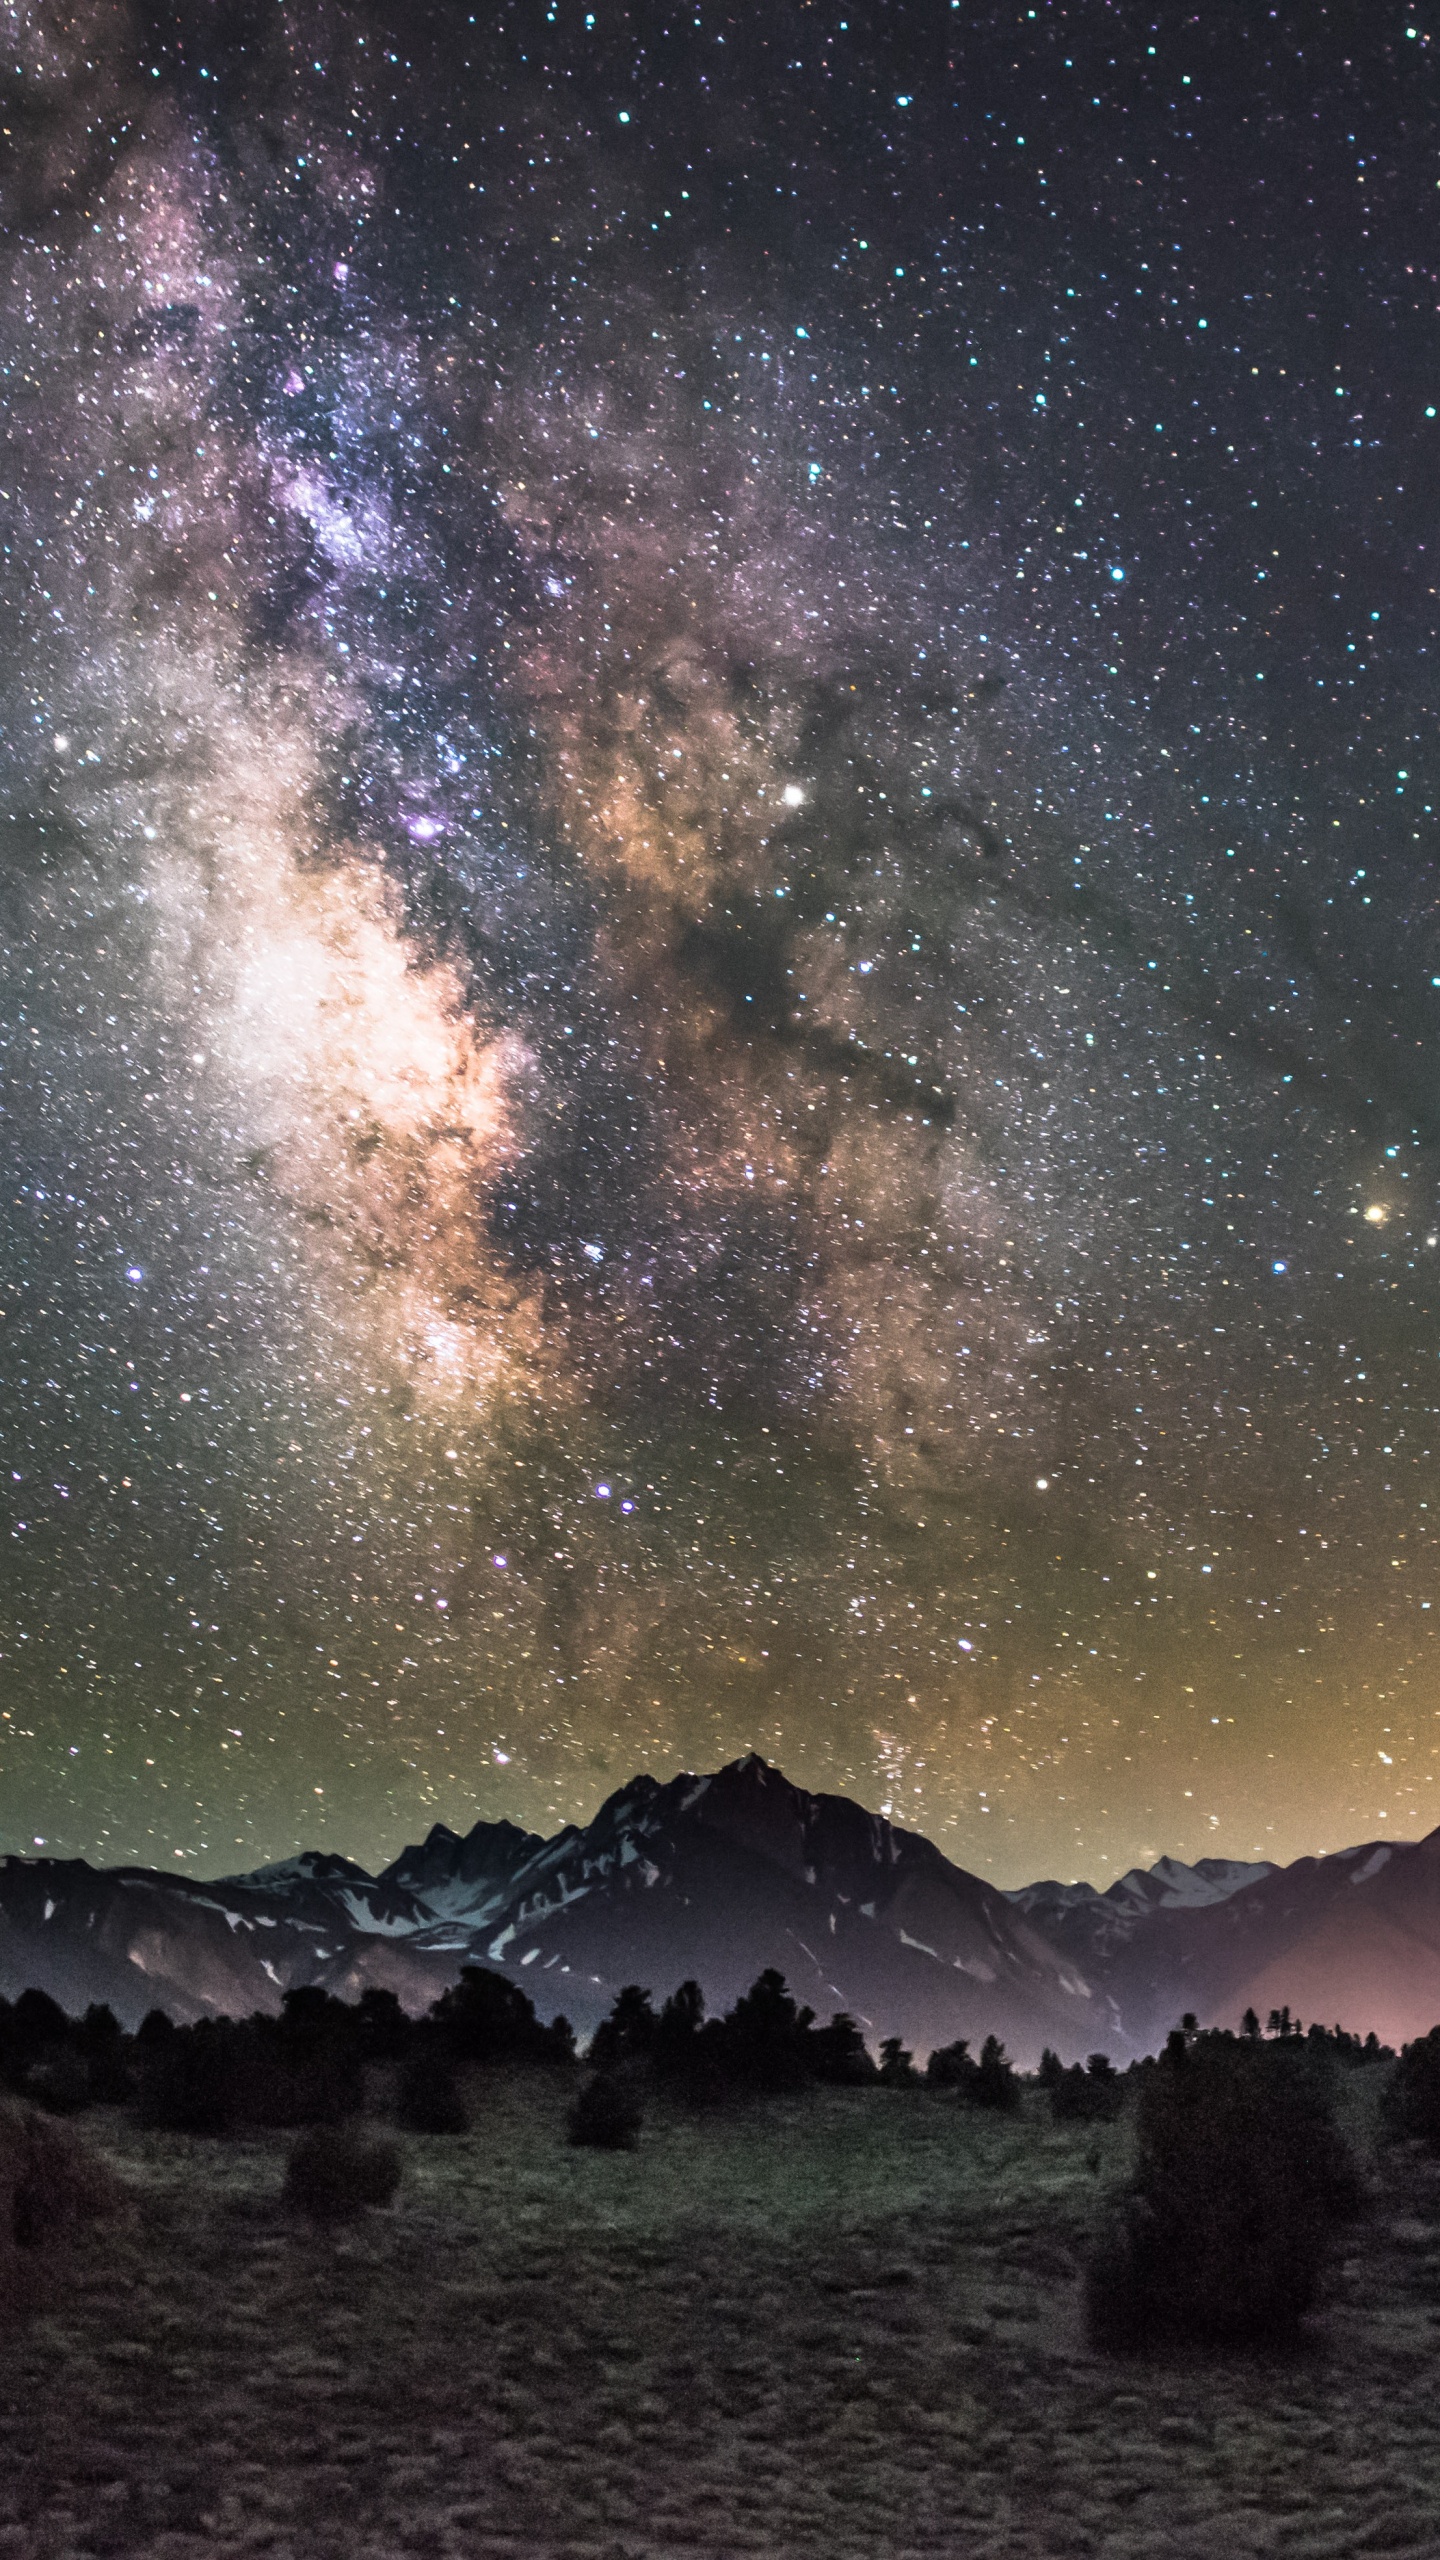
(448, 1874)
(714, 1876)
(308, 1866)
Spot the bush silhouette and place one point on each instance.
(50, 2185)
(429, 2099)
(607, 2115)
(1240, 2177)
(897, 2067)
(1411, 2103)
(334, 2173)
(60, 2082)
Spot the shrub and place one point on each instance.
(60, 2083)
(429, 2099)
(50, 2181)
(606, 2115)
(1411, 2104)
(897, 2067)
(334, 2173)
(1240, 2176)
(49, 2186)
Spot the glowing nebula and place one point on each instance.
(686, 1062)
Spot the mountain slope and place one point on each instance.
(706, 1877)
(449, 1876)
(1353, 1938)
(716, 1877)
(143, 1941)
(1090, 1925)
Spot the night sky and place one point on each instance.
(720, 959)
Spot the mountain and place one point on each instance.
(1091, 1925)
(716, 1877)
(142, 1941)
(452, 1875)
(1352, 1939)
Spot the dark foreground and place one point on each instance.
(847, 2323)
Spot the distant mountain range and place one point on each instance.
(716, 1877)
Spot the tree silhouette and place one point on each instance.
(1240, 2177)
(839, 2054)
(628, 2033)
(996, 2083)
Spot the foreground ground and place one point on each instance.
(843, 2325)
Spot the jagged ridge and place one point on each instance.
(716, 1876)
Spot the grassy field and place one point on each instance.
(843, 2324)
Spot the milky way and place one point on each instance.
(719, 949)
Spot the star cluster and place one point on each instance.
(719, 940)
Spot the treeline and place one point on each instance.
(1095, 2093)
(309, 2065)
(767, 2043)
(1239, 2177)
